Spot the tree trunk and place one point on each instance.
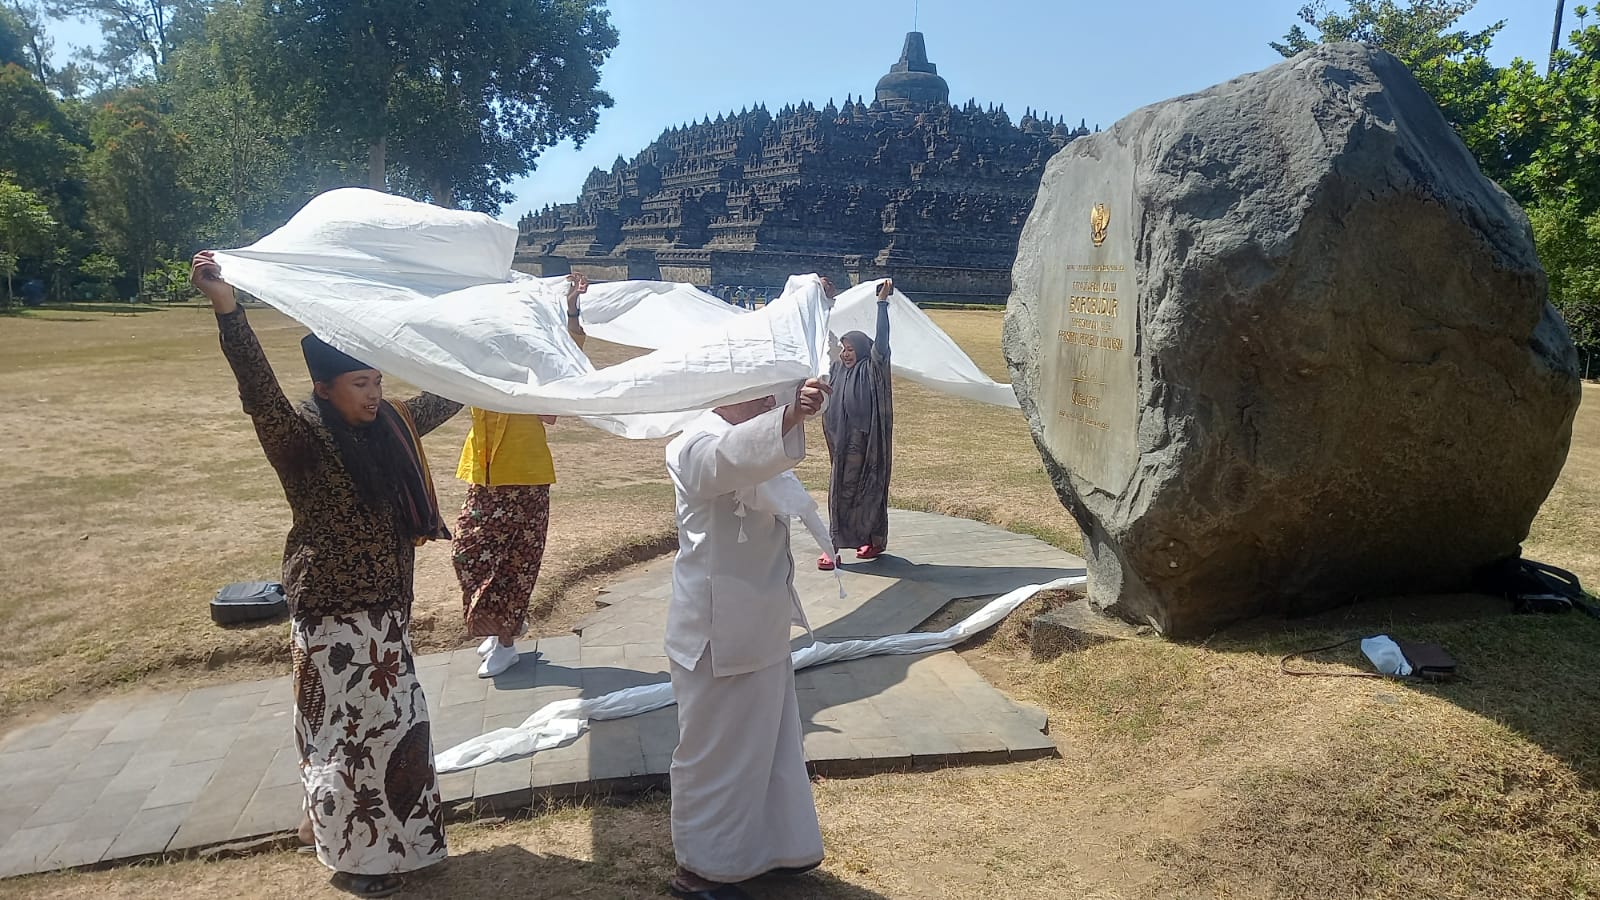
(1555, 37)
(443, 194)
(376, 165)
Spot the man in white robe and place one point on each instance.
(741, 798)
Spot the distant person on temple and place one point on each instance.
(741, 799)
(500, 534)
(859, 427)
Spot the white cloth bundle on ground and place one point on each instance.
(556, 723)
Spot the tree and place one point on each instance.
(1549, 132)
(1451, 64)
(26, 228)
(455, 98)
(37, 47)
(255, 164)
(40, 144)
(12, 43)
(138, 36)
(140, 209)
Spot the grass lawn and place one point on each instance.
(133, 488)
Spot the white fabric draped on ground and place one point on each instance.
(556, 723)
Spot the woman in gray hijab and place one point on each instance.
(859, 427)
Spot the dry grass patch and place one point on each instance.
(1187, 770)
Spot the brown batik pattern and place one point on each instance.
(366, 747)
(342, 556)
(498, 548)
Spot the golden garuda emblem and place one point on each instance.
(1099, 221)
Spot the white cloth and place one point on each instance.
(741, 799)
(923, 353)
(1386, 655)
(733, 579)
(428, 295)
(655, 314)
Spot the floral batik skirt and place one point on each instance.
(366, 755)
(497, 549)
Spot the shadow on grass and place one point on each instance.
(1538, 675)
(84, 309)
(622, 869)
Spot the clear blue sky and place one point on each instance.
(679, 60)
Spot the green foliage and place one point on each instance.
(34, 45)
(141, 210)
(137, 36)
(255, 164)
(453, 99)
(26, 228)
(40, 143)
(168, 281)
(13, 49)
(1550, 131)
(1569, 247)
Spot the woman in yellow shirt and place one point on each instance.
(500, 535)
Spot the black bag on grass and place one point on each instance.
(1534, 587)
(249, 601)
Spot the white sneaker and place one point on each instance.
(488, 645)
(499, 659)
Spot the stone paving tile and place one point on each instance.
(181, 784)
(142, 772)
(13, 817)
(270, 809)
(279, 692)
(455, 787)
(155, 773)
(106, 817)
(507, 784)
(27, 767)
(37, 736)
(149, 832)
(67, 802)
(138, 725)
(282, 769)
(103, 714)
(104, 760)
(207, 743)
(28, 849)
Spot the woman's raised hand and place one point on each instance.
(206, 276)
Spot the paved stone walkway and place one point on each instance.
(143, 775)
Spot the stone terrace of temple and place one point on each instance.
(907, 186)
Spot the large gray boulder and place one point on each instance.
(1281, 345)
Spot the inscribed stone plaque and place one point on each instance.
(1088, 323)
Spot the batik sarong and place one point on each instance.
(366, 755)
(499, 545)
